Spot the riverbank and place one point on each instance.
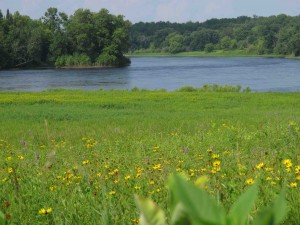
(87, 153)
(218, 53)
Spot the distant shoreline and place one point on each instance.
(218, 53)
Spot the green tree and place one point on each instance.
(175, 43)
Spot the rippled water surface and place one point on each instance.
(260, 74)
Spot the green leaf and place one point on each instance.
(151, 214)
(2, 218)
(180, 216)
(239, 212)
(198, 203)
(274, 214)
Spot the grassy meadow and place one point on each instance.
(78, 157)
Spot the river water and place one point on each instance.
(170, 73)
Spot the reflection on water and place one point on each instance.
(261, 74)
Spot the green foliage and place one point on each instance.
(194, 205)
(151, 214)
(73, 60)
(215, 88)
(209, 47)
(259, 35)
(64, 41)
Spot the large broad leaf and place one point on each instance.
(198, 203)
(239, 212)
(180, 216)
(275, 214)
(151, 214)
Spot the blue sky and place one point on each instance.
(160, 10)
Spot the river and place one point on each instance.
(170, 73)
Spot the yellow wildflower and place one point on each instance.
(20, 157)
(157, 167)
(137, 187)
(43, 211)
(9, 158)
(293, 184)
(250, 181)
(112, 193)
(52, 188)
(135, 220)
(10, 170)
(215, 156)
(151, 182)
(85, 162)
(288, 163)
(260, 165)
(127, 177)
(216, 163)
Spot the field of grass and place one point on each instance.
(78, 157)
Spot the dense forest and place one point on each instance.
(83, 39)
(258, 35)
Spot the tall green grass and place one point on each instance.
(84, 154)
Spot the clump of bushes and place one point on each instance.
(73, 60)
(215, 88)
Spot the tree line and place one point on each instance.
(258, 35)
(84, 38)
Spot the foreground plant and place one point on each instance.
(193, 205)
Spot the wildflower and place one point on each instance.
(287, 162)
(216, 163)
(250, 181)
(43, 211)
(273, 183)
(135, 220)
(180, 161)
(213, 171)
(151, 182)
(158, 190)
(192, 174)
(20, 157)
(215, 156)
(298, 177)
(260, 165)
(137, 187)
(10, 170)
(268, 178)
(293, 184)
(9, 158)
(112, 193)
(209, 151)
(52, 188)
(127, 177)
(155, 149)
(85, 162)
(157, 167)
(297, 169)
(269, 169)
(138, 175)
